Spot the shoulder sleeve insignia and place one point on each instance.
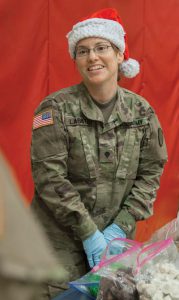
(44, 118)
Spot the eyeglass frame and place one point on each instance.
(93, 49)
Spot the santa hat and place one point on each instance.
(106, 24)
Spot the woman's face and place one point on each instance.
(100, 65)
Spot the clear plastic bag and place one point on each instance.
(118, 285)
(156, 274)
(118, 250)
(160, 251)
(125, 253)
(169, 230)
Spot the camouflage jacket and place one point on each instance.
(89, 173)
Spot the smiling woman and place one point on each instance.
(97, 157)
(98, 63)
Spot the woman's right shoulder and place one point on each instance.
(60, 97)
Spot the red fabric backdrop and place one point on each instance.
(34, 62)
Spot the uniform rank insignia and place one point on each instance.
(43, 119)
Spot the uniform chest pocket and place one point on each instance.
(129, 160)
(80, 160)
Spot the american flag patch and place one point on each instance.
(43, 119)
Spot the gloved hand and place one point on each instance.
(94, 247)
(113, 231)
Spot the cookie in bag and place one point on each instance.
(118, 286)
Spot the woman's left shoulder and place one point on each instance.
(138, 104)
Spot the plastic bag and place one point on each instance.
(119, 251)
(156, 274)
(118, 285)
(160, 251)
(169, 230)
(110, 263)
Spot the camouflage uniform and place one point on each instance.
(27, 260)
(89, 173)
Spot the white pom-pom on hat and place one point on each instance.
(105, 24)
(129, 68)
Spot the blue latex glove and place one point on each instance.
(113, 231)
(94, 246)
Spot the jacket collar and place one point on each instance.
(121, 112)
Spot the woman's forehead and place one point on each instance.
(91, 41)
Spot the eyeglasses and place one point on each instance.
(98, 50)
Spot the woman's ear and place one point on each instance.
(120, 57)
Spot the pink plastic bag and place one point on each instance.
(161, 251)
(109, 267)
(124, 249)
(117, 280)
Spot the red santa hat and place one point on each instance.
(105, 24)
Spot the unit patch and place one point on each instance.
(43, 119)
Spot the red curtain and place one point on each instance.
(34, 62)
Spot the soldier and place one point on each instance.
(97, 150)
(27, 260)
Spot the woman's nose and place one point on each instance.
(92, 55)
